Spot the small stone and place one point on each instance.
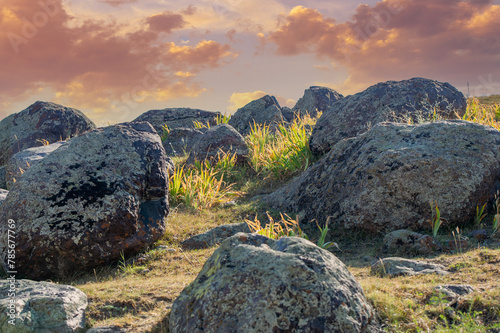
(393, 267)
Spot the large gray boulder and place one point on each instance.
(40, 121)
(219, 139)
(316, 99)
(101, 195)
(177, 117)
(384, 179)
(387, 101)
(25, 159)
(181, 140)
(41, 307)
(255, 284)
(263, 111)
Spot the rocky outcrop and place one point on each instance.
(40, 121)
(393, 267)
(409, 242)
(100, 195)
(384, 179)
(388, 101)
(255, 284)
(316, 99)
(25, 159)
(263, 111)
(177, 118)
(219, 139)
(214, 236)
(41, 307)
(181, 140)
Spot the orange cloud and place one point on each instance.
(452, 40)
(94, 63)
(116, 3)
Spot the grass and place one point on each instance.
(137, 293)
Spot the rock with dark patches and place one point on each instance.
(264, 111)
(214, 236)
(218, 140)
(452, 292)
(255, 284)
(107, 329)
(41, 307)
(3, 196)
(177, 118)
(387, 101)
(409, 242)
(101, 195)
(180, 141)
(25, 159)
(40, 121)
(384, 179)
(393, 267)
(316, 99)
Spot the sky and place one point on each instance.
(116, 59)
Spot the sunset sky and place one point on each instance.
(115, 59)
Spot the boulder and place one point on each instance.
(181, 140)
(3, 182)
(263, 111)
(384, 179)
(3, 196)
(219, 139)
(40, 121)
(255, 284)
(177, 118)
(409, 242)
(452, 292)
(25, 159)
(393, 267)
(416, 98)
(215, 236)
(316, 99)
(101, 195)
(41, 307)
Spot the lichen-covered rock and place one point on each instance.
(98, 196)
(181, 140)
(256, 284)
(177, 117)
(217, 140)
(263, 111)
(387, 101)
(214, 236)
(40, 121)
(107, 329)
(409, 242)
(452, 292)
(25, 159)
(316, 99)
(3, 196)
(41, 307)
(392, 267)
(384, 179)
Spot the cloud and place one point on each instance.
(397, 39)
(116, 3)
(165, 22)
(95, 63)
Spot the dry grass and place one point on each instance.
(138, 294)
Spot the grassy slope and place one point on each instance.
(138, 293)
